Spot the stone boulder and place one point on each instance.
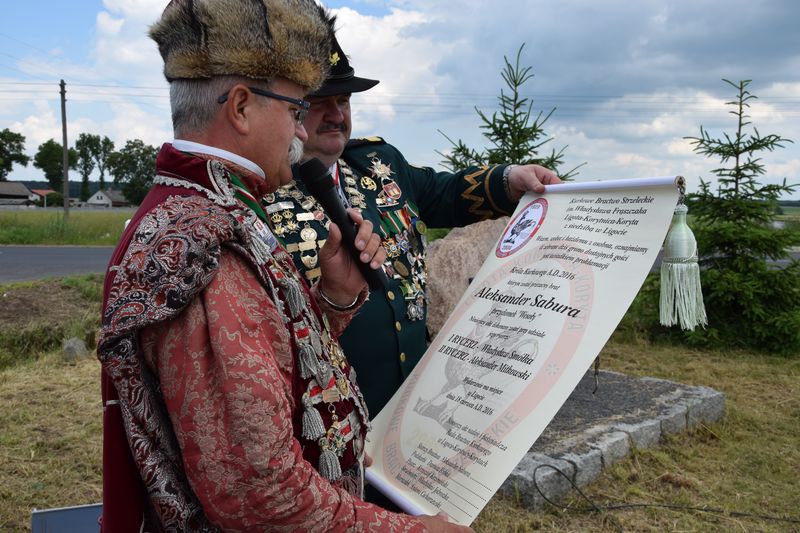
(452, 262)
(74, 350)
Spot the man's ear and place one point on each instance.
(239, 108)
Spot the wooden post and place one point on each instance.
(65, 160)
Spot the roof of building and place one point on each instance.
(14, 188)
(115, 195)
(42, 192)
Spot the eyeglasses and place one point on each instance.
(299, 114)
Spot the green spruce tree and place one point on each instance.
(514, 135)
(750, 301)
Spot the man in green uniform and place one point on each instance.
(388, 336)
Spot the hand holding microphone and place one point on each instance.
(319, 183)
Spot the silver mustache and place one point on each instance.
(295, 151)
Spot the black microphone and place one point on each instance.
(319, 183)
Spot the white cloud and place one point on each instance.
(122, 50)
(679, 147)
(130, 121)
(409, 75)
(141, 11)
(39, 127)
(108, 25)
(789, 169)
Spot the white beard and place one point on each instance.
(295, 151)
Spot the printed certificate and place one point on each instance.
(540, 309)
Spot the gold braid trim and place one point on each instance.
(477, 202)
(489, 192)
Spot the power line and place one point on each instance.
(119, 86)
(23, 43)
(572, 99)
(28, 83)
(621, 106)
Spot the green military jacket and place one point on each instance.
(387, 337)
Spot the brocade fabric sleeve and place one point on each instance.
(225, 370)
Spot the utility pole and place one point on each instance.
(65, 160)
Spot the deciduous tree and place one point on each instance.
(103, 150)
(133, 167)
(49, 158)
(12, 150)
(86, 145)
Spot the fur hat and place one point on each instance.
(259, 39)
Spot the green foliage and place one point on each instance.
(514, 136)
(49, 158)
(86, 146)
(99, 150)
(90, 286)
(104, 151)
(53, 199)
(133, 167)
(641, 321)
(12, 150)
(749, 303)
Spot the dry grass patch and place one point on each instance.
(747, 465)
(50, 438)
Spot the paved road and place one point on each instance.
(26, 263)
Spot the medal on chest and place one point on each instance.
(308, 233)
(265, 234)
(390, 193)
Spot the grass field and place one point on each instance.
(89, 228)
(103, 227)
(748, 463)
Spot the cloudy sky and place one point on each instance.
(627, 80)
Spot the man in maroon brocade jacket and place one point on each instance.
(229, 404)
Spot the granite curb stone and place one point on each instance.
(593, 431)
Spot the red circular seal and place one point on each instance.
(522, 228)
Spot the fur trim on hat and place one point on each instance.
(260, 39)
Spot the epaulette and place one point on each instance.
(360, 141)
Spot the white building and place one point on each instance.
(108, 198)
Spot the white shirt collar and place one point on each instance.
(197, 148)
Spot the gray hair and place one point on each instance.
(295, 151)
(194, 101)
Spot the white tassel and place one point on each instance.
(308, 361)
(681, 294)
(294, 297)
(329, 465)
(312, 425)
